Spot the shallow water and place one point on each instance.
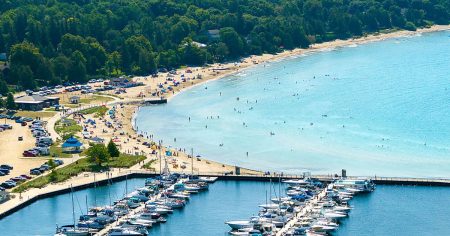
(380, 108)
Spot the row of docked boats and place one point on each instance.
(139, 210)
(308, 207)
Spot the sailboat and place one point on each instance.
(72, 230)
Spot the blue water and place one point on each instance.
(390, 210)
(400, 210)
(41, 217)
(380, 108)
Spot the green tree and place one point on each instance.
(232, 40)
(60, 66)
(3, 86)
(24, 76)
(138, 55)
(98, 154)
(77, 70)
(113, 150)
(10, 104)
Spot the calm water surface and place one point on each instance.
(375, 109)
(390, 210)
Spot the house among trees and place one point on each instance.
(214, 34)
(3, 57)
(35, 102)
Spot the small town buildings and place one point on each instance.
(35, 102)
(75, 99)
(72, 145)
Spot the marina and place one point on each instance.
(225, 118)
(309, 207)
(226, 200)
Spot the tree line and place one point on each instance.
(52, 41)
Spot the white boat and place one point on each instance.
(208, 179)
(295, 182)
(159, 209)
(280, 200)
(70, 231)
(334, 216)
(269, 206)
(342, 208)
(239, 224)
(117, 231)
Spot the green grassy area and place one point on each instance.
(112, 95)
(82, 165)
(98, 111)
(149, 165)
(32, 114)
(95, 98)
(67, 126)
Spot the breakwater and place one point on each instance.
(221, 176)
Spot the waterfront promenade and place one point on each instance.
(89, 180)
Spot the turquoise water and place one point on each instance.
(390, 210)
(380, 108)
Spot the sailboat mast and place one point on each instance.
(192, 161)
(95, 192)
(73, 206)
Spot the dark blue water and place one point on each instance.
(390, 210)
(41, 217)
(400, 210)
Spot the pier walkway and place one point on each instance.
(305, 209)
(89, 180)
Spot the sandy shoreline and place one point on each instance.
(202, 165)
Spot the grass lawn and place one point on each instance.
(98, 111)
(34, 114)
(68, 126)
(149, 165)
(94, 99)
(82, 165)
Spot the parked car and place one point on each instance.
(6, 171)
(20, 138)
(45, 167)
(4, 166)
(26, 176)
(30, 153)
(35, 172)
(18, 179)
(6, 126)
(8, 185)
(2, 173)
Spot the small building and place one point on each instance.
(75, 99)
(214, 34)
(3, 57)
(72, 145)
(35, 102)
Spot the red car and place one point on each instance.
(29, 154)
(26, 176)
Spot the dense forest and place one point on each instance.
(52, 41)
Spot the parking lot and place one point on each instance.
(11, 150)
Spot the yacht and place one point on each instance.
(296, 182)
(239, 224)
(117, 231)
(70, 230)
